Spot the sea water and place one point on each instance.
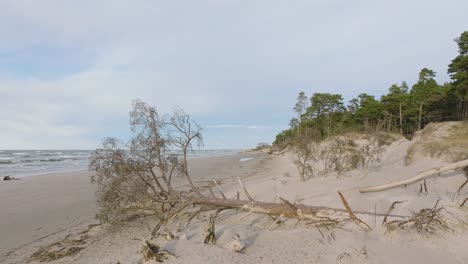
(36, 162)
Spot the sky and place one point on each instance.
(70, 69)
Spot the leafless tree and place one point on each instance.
(135, 178)
(136, 175)
(306, 151)
(183, 134)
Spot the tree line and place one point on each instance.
(402, 109)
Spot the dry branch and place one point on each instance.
(445, 168)
(209, 237)
(245, 189)
(460, 188)
(463, 203)
(358, 221)
(219, 189)
(390, 210)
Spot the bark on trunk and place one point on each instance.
(420, 116)
(401, 121)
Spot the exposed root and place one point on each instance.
(429, 221)
(390, 210)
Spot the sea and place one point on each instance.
(20, 163)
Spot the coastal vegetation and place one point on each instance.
(403, 109)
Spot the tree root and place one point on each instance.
(428, 221)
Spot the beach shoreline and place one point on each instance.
(38, 209)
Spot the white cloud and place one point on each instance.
(213, 58)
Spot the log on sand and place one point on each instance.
(420, 176)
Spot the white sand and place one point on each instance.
(269, 177)
(38, 206)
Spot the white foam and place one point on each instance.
(245, 159)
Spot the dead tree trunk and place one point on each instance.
(420, 176)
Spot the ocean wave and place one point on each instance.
(69, 157)
(51, 153)
(51, 160)
(7, 162)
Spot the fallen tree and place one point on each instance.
(420, 176)
(137, 179)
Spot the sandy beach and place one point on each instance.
(55, 212)
(37, 210)
(36, 207)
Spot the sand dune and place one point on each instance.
(269, 177)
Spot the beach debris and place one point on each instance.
(153, 252)
(423, 187)
(63, 248)
(167, 234)
(353, 256)
(9, 178)
(358, 221)
(463, 203)
(390, 210)
(276, 221)
(427, 221)
(420, 176)
(463, 185)
(235, 244)
(245, 189)
(209, 236)
(219, 189)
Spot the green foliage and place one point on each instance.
(323, 110)
(401, 110)
(458, 70)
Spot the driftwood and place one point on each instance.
(209, 237)
(420, 176)
(358, 221)
(319, 215)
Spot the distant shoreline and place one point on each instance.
(53, 205)
(27, 163)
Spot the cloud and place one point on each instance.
(69, 69)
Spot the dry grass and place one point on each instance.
(441, 140)
(339, 154)
(69, 246)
